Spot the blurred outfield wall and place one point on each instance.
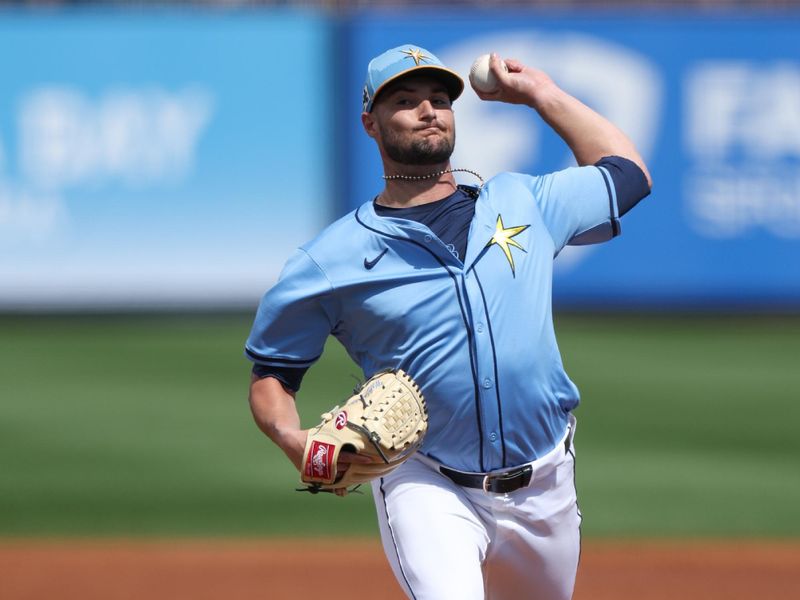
(176, 158)
(158, 158)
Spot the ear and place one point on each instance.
(370, 125)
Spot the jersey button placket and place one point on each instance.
(484, 356)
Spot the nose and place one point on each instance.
(426, 110)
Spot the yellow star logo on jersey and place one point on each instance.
(503, 238)
(417, 55)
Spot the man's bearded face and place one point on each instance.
(409, 148)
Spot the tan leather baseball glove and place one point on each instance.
(385, 419)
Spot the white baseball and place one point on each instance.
(481, 77)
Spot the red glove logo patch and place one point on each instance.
(320, 460)
(341, 420)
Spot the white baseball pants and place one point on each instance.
(447, 542)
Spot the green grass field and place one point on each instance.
(139, 426)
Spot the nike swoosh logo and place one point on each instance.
(368, 264)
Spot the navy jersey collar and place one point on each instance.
(481, 228)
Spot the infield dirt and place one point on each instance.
(296, 570)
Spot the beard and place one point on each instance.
(432, 150)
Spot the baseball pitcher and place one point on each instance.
(471, 453)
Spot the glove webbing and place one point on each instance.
(372, 436)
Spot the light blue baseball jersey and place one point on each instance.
(476, 335)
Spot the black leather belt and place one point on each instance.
(496, 483)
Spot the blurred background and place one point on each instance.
(160, 161)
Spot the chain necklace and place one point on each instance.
(432, 175)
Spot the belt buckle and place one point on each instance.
(523, 475)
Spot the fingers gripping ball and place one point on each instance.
(385, 419)
(481, 76)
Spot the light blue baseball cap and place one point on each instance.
(405, 60)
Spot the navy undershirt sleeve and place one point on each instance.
(290, 377)
(629, 180)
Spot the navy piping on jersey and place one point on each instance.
(494, 365)
(281, 361)
(577, 504)
(464, 318)
(614, 221)
(394, 542)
